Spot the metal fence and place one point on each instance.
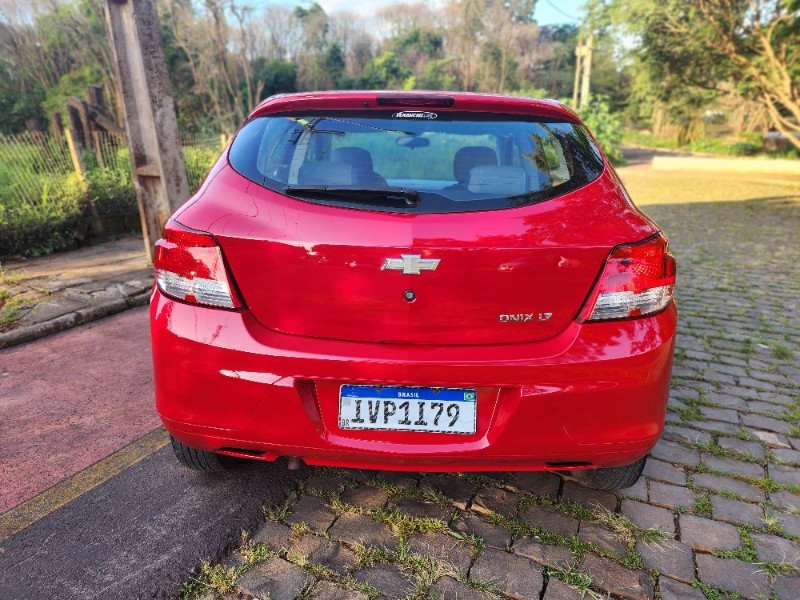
(48, 196)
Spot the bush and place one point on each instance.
(605, 126)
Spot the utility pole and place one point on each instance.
(578, 68)
(159, 172)
(587, 71)
(581, 89)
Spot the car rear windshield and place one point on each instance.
(416, 161)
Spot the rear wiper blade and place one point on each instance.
(397, 197)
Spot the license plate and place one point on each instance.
(439, 410)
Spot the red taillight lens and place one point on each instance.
(638, 280)
(189, 267)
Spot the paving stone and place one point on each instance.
(717, 427)
(646, 516)
(684, 434)
(604, 539)
(772, 548)
(533, 482)
(787, 587)
(637, 490)
(398, 479)
(574, 492)
(664, 471)
(669, 558)
(493, 536)
(322, 551)
(447, 588)
(420, 508)
(789, 523)
(785, 499)
(708, 535)
(733, 575)
(727, 484)
(673, 590)
(361, 529)
(742, 447)
(325, 483)
(674, 453)
(543, 554)
(784, 474)
(610, 576)
(558, 590)
(313, 512)
(365, 496)
(670, 496)
(549, 519)
(734, 467)
(727, 415)
(773, 440)
(765, 407)
(795, 443)
(274, 535)
(756, 384)
(767, 423)
(725, 397)
(325, 590)
(442, 547)
(458, 489)
(387, 579)
(495, 500)
(515, 576)
(777, 398)
(274, 578)
(787, 455)
(737, 512)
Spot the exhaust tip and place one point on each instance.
(294, 463)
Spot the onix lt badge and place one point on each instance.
(410, 264)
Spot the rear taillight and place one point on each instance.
(638, 280)
(189, 267)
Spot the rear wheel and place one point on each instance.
(200, 460)
(612, 478)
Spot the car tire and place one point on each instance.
(612, 478)
(200, 460)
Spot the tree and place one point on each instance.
(700, 46)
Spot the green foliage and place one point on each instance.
(44, 209)
(605, 126)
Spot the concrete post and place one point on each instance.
(149, 113)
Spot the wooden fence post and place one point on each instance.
(149, 113)
(80, 171)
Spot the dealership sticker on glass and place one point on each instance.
(436, 410)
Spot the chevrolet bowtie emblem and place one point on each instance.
(410, 264)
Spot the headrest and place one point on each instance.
(501, 181)
(351, 155)
(472, 156)
(325, 173)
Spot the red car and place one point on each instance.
(414, 281)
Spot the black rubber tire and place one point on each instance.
(614, 478)
(200, 460)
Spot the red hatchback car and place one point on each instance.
(414, 281)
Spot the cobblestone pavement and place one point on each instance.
(715, 515)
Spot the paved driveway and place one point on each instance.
(717, 512)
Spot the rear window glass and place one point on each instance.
(448, 161)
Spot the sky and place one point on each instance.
(548, 12)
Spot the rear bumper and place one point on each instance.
(595, 395)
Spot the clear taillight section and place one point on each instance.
(189, 267)
(638, 280)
